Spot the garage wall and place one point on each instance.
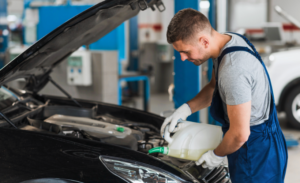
(15, 7)
(247, 13)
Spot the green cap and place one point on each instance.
(163, 150)
(120, 129)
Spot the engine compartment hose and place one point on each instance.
(162, 150)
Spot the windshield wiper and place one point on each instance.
(8, 120)
(62, 90)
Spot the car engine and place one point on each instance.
(86, 123)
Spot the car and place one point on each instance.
(283, 67)
(61, 139)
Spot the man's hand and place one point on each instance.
(180, 114)
(210, 160)
(200, 101)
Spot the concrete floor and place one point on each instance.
(292, 173)
(160, 103)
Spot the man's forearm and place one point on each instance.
(229, 144)
(202, 99)
(239, 130)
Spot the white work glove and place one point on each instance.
(180, 114)
(211, 160)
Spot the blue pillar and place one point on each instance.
(3, 8)
(212, 20)
(3, 31)
(133, 50)
(133, 44)
(187, 78)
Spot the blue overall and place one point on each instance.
(263, 158)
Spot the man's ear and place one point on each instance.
(204, 41)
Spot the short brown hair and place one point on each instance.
(185, 24)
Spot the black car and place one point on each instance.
(47, 139)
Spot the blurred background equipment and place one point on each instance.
(79, 68)
(4, 33)
(84, 74)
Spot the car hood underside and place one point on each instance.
(36, 62)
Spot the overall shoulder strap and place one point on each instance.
(230, 50)
(254, 53)
(249, 43)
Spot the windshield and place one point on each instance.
(7, 98)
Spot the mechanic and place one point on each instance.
(241, 98)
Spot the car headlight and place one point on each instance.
(137, 172)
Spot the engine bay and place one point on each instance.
(86, 124)
(110, 124)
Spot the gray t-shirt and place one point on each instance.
(241, 79)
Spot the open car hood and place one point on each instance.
(36, 63)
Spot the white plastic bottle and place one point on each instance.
(192, 141)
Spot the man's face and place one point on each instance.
(196, 52)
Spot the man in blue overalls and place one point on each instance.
(241, 98)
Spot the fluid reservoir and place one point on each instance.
(191, 141)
